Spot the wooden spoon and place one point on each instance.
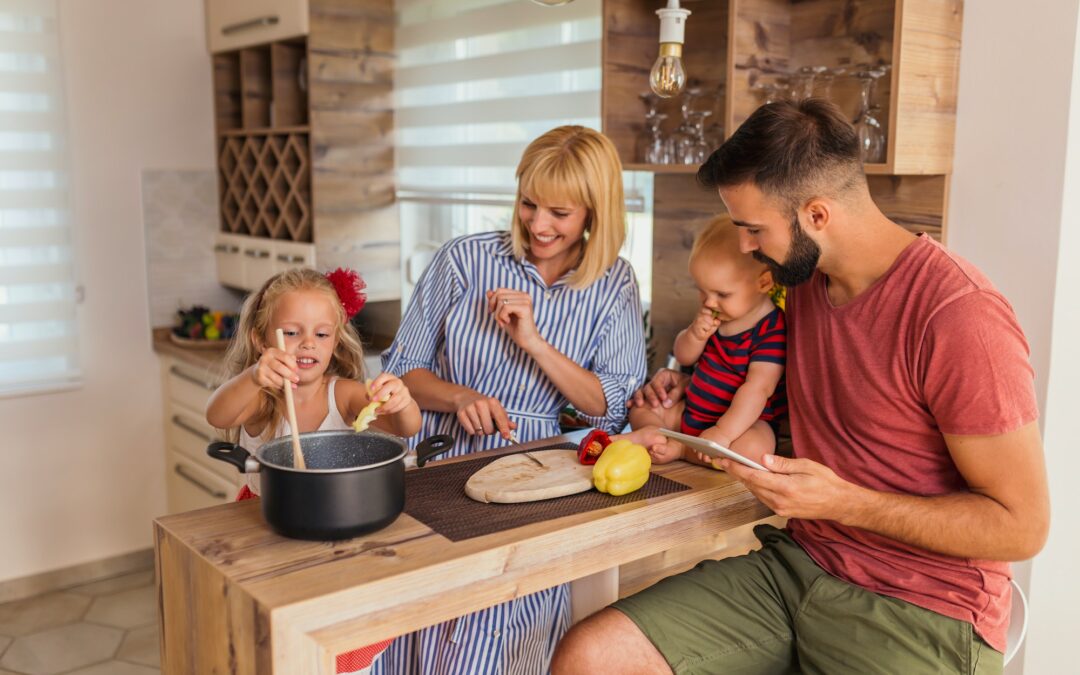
(290, 408)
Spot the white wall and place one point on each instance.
(83, 471)
(1011, 214)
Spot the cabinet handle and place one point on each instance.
(223, 248)
(252, 253)
(179, 421)
(294, 259)
(216, 494)
(268, 20)
(194, 380)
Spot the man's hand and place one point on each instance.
(664, 390)
(797, 488)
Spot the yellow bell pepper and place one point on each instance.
(622, 468)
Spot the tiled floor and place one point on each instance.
(105, 628)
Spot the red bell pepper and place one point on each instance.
(592, 445)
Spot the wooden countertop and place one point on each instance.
(235, 597)
(210, 359)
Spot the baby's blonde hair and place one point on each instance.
(346, 362)
(720, 239)
(578, 165)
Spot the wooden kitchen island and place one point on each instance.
(234, 597)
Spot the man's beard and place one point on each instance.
(802, 258)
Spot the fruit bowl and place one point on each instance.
(201, 328)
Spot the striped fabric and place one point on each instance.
(722, 369)
(448, 330)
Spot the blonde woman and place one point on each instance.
(503, 330)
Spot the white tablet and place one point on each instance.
(714, 450)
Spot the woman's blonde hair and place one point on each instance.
(576, 165)
(347, 360)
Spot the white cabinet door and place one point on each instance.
(259, 264)
(232, 24)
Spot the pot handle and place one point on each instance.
(233, 454)
(429, 447)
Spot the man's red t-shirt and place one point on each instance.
(930, 348)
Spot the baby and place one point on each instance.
(737, 346)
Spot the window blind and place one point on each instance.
(38, 348)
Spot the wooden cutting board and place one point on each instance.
(530, 477)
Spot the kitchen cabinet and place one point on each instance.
(232, 24)
(192, 480)
(740, 44)
(304, 127)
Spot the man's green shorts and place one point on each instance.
(775, 611)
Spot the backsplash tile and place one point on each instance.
(180, 216)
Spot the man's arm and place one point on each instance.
(1005, 514)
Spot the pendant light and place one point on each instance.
(668, 77)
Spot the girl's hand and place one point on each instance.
(704, 325)
(273, 368)
(483, 415)
(392, 392)
(513, 312)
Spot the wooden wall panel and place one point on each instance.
(927, 80)
(681, 208)
(761, 48)
(916, 202)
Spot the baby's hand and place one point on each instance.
(392, 392)
(273, 368)
(705, 324)
(715, 436)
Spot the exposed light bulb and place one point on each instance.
(668, 77)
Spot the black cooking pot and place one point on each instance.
(354, 482)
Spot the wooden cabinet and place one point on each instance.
(192, 479)
(738, 44)
(304, 125)
(232, 24)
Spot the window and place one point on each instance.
(38, 348)
(477, 81)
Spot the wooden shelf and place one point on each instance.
(662, 168)
(264, 131)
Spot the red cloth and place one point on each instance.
(348, 662)
(930, 348)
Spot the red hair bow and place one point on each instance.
(350, 290)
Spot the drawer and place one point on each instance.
(190, 486)
(229, 259)
(290, 254)
(190, 386)
(259, 262)
(190, 436)
(231, 24)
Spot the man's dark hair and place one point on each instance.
(792, 151)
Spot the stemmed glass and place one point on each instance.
(652, 147)
(714, 133)
(802, 81)
(868, 128)
(684, 137)
(697, 150)
(770, 92)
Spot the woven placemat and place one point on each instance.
(435, 495)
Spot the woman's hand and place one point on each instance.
(664, 390)
(513, 312)
(273, 368)
(483, 415)
(704, 325)
(392, 392)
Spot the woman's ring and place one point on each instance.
(506, 301)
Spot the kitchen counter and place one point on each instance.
(235, 597)
(210, 359)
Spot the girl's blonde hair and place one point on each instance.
(347, 360)
(576, 165)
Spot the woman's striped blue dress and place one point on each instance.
(447, 329)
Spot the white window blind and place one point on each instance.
(38, 348)
(477, 81)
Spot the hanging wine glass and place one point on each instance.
(867, 126)
(770, 92)
(714, 133)
(682, 139)
(652, 147)
(697, 150)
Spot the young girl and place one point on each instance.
(323, 360)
